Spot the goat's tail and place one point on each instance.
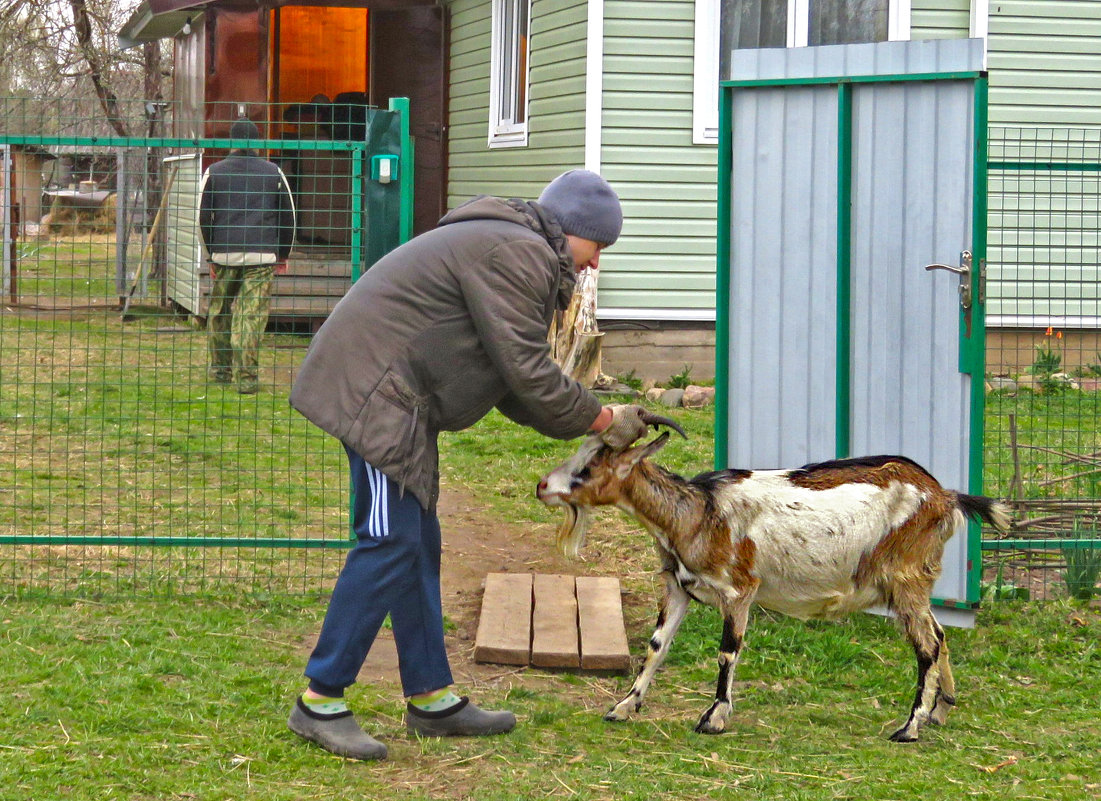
(985, 510)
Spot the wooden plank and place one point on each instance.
(504, 629)
(554, 622)
(600, 621)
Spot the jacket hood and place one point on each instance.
(532, 217)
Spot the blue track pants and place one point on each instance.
(393, 569)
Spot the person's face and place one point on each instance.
(586, 253)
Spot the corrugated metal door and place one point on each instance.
(183, 249)
(845, 171)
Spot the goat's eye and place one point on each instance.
(579, 478)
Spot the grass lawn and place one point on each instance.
(185, 698)
(167, 673)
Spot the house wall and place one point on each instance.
(556, 104)
(664, 264)
(1045, 64)
(939, 19)
(1045, 73)
(189, 73)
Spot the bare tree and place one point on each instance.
(65, 53)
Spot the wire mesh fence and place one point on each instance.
(1044, 360)
(130, 468)
(129, 464)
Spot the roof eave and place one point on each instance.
(158, 19)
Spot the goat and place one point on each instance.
(819, 542)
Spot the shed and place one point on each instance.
(309, 70)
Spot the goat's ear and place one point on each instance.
(627, 461)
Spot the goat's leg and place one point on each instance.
(735, 608)
(946, 695)
(926, 637)
(674, 605)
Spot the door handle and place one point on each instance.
(967, 278)
(948, 267)
(972, 283)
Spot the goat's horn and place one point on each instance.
(656, 420)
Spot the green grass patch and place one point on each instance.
(145, 699)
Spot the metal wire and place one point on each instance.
(126, 468)
(1044, 359)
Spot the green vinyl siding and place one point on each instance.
(665, 259)
(940, 19)
(1045, 74)
(1045, 63)
(556, 105)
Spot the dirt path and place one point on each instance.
(474, 544)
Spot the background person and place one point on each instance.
(436, 334)
(247, 219)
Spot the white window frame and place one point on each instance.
(504, 130)
(705, 87)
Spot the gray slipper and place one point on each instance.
(463, 719)
(338, 734)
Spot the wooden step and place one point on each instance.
(600, 622)
(552, 621)
(500, 638)
(554, 640)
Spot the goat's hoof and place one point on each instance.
(939, 715)
(903, 735)
(615, 715)
(714, 719)
(707, 727)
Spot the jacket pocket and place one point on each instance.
(392, 431)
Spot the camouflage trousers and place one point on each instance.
(239, 304)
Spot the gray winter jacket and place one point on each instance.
(437, 333)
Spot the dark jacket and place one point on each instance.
(437, 333)
(246, 207)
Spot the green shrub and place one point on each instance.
(681, 380)
(1082, 571)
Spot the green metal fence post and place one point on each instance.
(358, 157)
(842, 403)
(973, 349)
(405, 168)
(722, 281)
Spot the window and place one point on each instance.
(508, 92)
(726, 25)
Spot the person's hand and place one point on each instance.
(280, 267)
(626, 426)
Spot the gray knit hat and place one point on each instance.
(243, 128)
(585, 206)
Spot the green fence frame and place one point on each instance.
(395, 200)
(1047, 543)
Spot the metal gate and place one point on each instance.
(852, 226)
(112, 436)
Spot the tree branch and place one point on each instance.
(82, 26)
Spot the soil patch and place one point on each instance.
(475, 543)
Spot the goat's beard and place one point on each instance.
(571, 534)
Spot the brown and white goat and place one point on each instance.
(819, 541)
